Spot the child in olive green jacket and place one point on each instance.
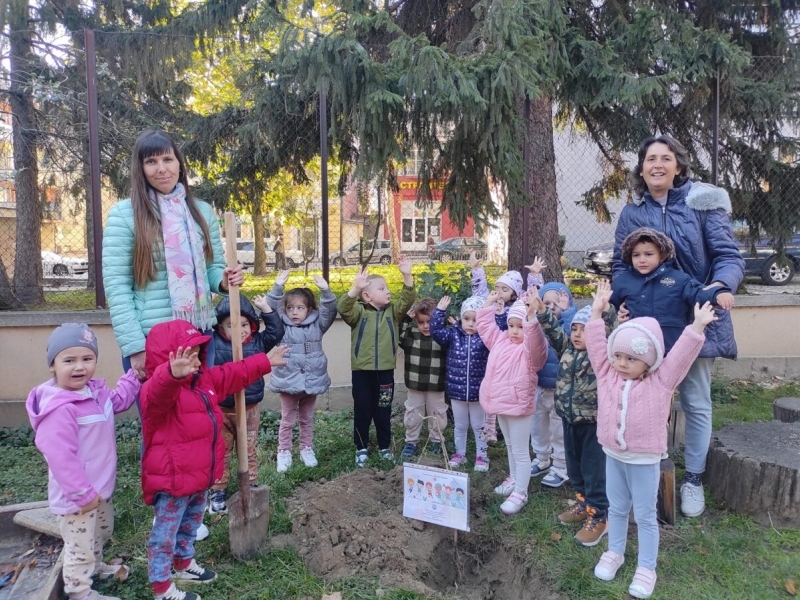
(368, 309)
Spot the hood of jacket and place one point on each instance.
(47, 397)
(557, 286)
(696, 194)
(247, 310)
(167, 337)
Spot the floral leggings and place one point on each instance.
(174, 531)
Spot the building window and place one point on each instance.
(407, 229)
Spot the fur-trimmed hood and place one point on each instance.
(697, 195)
(646, 234)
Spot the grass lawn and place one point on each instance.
(717, 556)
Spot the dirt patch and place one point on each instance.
(354, 525)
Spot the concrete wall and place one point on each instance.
(766, 331)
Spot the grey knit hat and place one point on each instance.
(582, 316)
(70, 335)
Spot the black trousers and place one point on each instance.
(373, 392)
(586, 464)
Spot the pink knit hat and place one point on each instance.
(518, 310)
(640, 338)
(513, 280)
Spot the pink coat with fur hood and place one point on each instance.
(509, 387)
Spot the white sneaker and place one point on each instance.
(555, 478)
(514, 503)
(202, 533)
(284, 460)
(308, 456)
(693, 501)
(106, 571)
(174, 593)
(505, 488)
(610, 562)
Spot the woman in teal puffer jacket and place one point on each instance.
(162, 254)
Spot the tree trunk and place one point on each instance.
(89, 217)
(786, 410)
(540, 187)
(8, 301)
(259, 252)
(27, 260)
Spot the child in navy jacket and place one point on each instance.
(465, 366)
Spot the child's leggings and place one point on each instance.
(174, 530)
(84, 536)
(633, 485)
(517, 433)
(547, 433)
(466, 414)
(491, 423)
(229, 433)
(294, 407)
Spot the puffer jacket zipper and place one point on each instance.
(469, 353)
(360, 335)
(391, 333)
(210, 412)
(377, 327)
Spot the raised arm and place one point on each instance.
(677, 363)
(327, 309)
(487, 328)
(275, 296)
(440, 333)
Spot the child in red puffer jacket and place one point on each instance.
(184, 451)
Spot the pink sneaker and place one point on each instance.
(505, 488)
(457, 460)
(610, 562)
(643, 584)
(514, 503)
(481, 464)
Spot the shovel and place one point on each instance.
(248, 509)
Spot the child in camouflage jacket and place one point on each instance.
(576, 404)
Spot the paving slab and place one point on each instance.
(39, 519)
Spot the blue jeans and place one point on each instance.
(695, 392)
(633, 485)
(173, 534)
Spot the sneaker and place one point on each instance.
(457, 460)
(540, 467)
(284, 460)
(202, 533)
(693, 502)
(95, 595)
(194, 573)
(105, 571)
(308, 457)
(576, 514)
(435, 448)
(514, 503)
(644, 581)
(386, 454)
(594, 528)
(361, 458)
(409, 450)
(505, 488)
(555, 478)
(174, 593)
(481, 464)
(610, 562)
(217, 502)
(490, 437)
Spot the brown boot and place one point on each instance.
(594, 528)
(576, 514)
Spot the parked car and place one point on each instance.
(764, 262)
(55, 265)
(457, 248)
(246, 254)
(353, 256)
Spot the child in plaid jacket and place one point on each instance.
(424, 378)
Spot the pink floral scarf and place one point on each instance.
(186, 264)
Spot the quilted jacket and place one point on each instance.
(134, 311)
(509, 387)
(306, 368)
(465, 358)
(695, 218)
(183, 450)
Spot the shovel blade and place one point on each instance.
(248, 521)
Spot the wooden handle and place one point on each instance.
(236, 341)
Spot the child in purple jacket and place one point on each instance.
(635, 383)
(73, 417)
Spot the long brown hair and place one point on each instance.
(148, 241)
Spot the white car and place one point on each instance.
(55, 265)
(246, 254)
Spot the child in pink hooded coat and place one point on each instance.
(509, 388)
(635, 383)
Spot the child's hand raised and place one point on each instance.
(452, 320)
(601, 297)
(725, 300)
(404, 265)
(183, 362)
(537, 266)
(623, 314)
(473, 261)
(443, 303)
(535, 301)
(261, 303)
(321, 283)
(282, 278)
(530, 300)
(492, 299)
(276, 357)
(703, 315)
(362, 279)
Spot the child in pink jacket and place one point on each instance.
(509, 388)
(635, 383)
(73, 417)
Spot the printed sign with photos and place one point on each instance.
(436, 496)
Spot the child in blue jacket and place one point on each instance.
(465, 366)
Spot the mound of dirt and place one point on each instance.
(354, 525)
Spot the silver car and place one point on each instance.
(354, 254)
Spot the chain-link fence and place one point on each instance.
(262, 160)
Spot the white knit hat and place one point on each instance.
(513, 280)
(472, 303)
(518, 310)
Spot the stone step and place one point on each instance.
(39, 519)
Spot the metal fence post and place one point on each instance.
(94, 168)
(323, 150)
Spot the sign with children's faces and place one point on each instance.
(436, 496)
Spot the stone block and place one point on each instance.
(39, 519)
